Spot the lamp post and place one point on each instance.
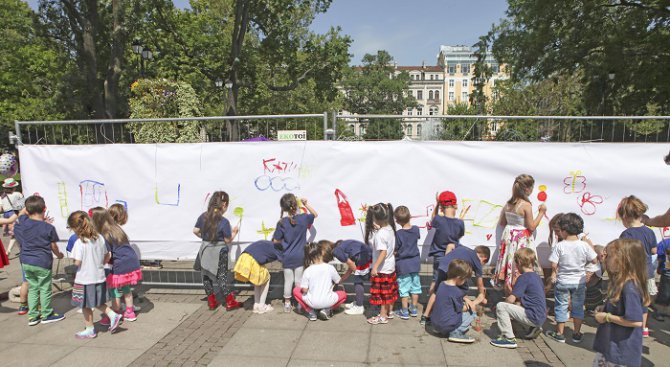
(144, 53)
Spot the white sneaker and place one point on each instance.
(349, 305)
(257, 308)
(355, 310)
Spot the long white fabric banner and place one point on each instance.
(166, 186)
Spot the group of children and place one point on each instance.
(389, 258)
(107, 265)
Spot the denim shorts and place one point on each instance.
(574, 294)
(409, 284)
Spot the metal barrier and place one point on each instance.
(504, 128)
(211, 129)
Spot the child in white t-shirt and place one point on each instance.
(568, 262)
(316, 286)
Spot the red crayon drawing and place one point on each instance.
(346, 214)
(587, 202)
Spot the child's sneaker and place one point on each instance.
(504, 343)
(86, 334)
(645, 332)
(413, 311)
(376, 320)
(54, 317)
(349, 305)
(129, 315)
(533, 333)
(460, 338)
(324, 314)
(104, 321)
(287, 307)
(23, 310)
(577, 337)
(114, 322)
(425, 320)
(265, 308)
(391, 315)
(403, 314)
(355, 310)
(556, 336)
(34, 321)
(311, 315)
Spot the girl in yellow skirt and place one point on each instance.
(250, 268)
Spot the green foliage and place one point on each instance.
(160, 99)
(482, 73)
(31, 70)
(540, 39)
(649, 127)
(460, 128)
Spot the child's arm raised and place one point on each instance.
(662, 220)
(56, 250)
(309, 207)
(530, 223)
(197, 232)
(228, 240)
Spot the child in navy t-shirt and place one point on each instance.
(529, 290)
(407, 262)
(663, 297)
(448, 229)
(250, 267)
(454, 312)
(358, 257)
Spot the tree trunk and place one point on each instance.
(116, 61)
(90, 24)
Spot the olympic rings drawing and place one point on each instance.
(276, 183)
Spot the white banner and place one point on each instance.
(165, 187)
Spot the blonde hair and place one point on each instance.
(522, 183)
(525, 257)
(402, 215)
(631, 259)
(631, 207)
(80, 223)
(119, 214)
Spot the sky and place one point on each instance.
(410, 30)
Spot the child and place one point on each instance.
(528, 290)
(554, 237)
(568, 263)
(358, 257)
(594, 279)
(454, 312)
(383, 282)
(89, 290)
(618, 340)
(475, 259)
(250, 267)
(212, 258)
(663, 298)
(408, 262)
(38, 241)
(12, 202)
(4, 256)
(316, 286)
(291, 235)
(448, 230)
(125, 270)
(630, 210)
(119, 214)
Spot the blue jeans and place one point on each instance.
(569, 293)
(468, 318)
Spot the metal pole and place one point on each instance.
(325, 125)
(17, 126)
(334, 125)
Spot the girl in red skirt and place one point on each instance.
(380, 226)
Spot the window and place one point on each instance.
(418, 129)
(419, 95)
(419, 111)
(465, 83)
(465, 68)
(433, 111)
(361, 129)
(409, 111)
(409, 130)
(411, 93)
(451, 83)
(352, 128)
(437, 94)
(452, 69)
(451, 96)
(430, 94)
(465, 97)
(431, 76)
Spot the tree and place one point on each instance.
(482, 74)
(31, 70)
(460, 128)
(375, 88)
(542, 39)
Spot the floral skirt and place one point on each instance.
(513, 239)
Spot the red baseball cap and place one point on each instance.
(447, 198)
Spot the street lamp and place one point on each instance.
(144, 53)
(218, 82)
(137, 47)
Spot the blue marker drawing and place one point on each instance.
(124, 203)
(169, 204)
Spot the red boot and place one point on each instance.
(231, 303)
(212, 302)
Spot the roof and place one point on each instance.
(420, 68)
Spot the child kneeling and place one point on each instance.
(316, 287)
(453, 311)
(529, 290)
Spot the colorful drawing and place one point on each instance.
(273, 165)
(265, 231)
(575, 183)
(93, 193)
(665, 232)
(276, 183)
(62, 200)
(429, 210)
(346, 214)
(175, 203)
(238, 212)
(542, 194)
(485, 213)
(587, 202)
(488, 236)
(364, 211)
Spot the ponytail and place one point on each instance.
(389, 216)
(81, 224)
(380, 213)
(214, 214)
(521, 184)
(289, 204)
